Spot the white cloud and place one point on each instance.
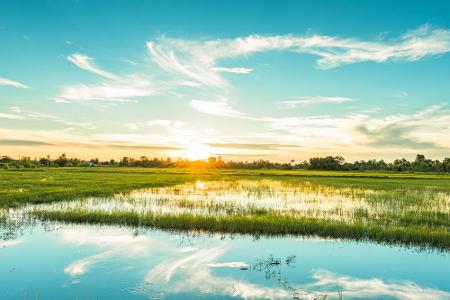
(198, 70)
(172, 126)
(21, 114)
(14, 83)
(10, 116)
(116, 89)
(218, 108)
(197, 60)
(166, 123)
(101, 92)
(233, 70)
(304, 101)
(85, 62)
(397, 132)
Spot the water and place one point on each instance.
(93, 262)
(52, 260)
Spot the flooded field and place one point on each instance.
(301, 198)
(271, 206)
(55, 261)
(234, 237)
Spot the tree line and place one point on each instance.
(329, 163)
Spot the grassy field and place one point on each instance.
(47, 185)
(385, 207)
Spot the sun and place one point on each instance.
(197, 152)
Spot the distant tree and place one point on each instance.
(6, 159)
(61, 161)
(420, 157)
(326, 163)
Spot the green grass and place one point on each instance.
(53, 184)
(384, 207)
(48, 185)
(268, 224)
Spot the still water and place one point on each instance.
(64, 261)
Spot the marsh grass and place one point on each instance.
(18, 187)
(419, 216)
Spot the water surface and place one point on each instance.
(61, 261)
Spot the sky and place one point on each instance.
(247, 80)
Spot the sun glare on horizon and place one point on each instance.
(196, 152)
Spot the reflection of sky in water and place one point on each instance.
(120, 263)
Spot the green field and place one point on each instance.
(385, 207)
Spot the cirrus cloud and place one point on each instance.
(198, 60)
(116, 89)
(10, 82)
(311, 100)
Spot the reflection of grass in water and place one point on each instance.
(273, 207)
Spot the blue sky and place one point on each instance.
(245, 80)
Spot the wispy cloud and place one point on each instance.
(22, 142)
(116, 89)
(413, 131)
(218, 108)
(21, 114)
(233, 70)
(261, 146)
(409, 131)
(311, 100)
(10, 116)
(197, 60)
(10, 82)
(169, 125)
(101, 92)
(86, 63)
(194, 68)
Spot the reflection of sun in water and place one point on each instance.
(200, 185)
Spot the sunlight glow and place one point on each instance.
(196, 152)
(200, 185)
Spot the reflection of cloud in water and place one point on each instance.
(119, 241)
(190, 270)
(116, 243)
(9, 243)
(81, 266)
(193, 273)
(231, 264)
(370, 288)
